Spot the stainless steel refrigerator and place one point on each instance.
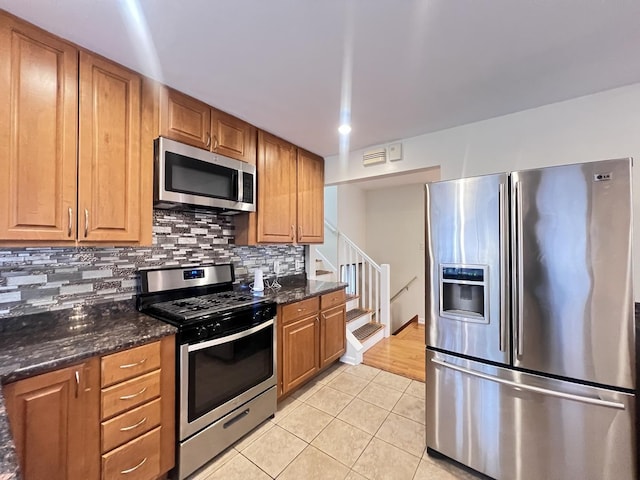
(531, 350)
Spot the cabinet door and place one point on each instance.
(232, 137)
(54, 422)
(109, 152)
(300, 355)
(38, 131)
(333, 342)
(310, 190)
(185, 119)
(276, 207)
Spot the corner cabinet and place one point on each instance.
(311, 336)
(54, 420)
(77, 163)
(190, 121)
(107, 418)
(290, 206)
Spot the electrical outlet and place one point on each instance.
(299, 264)
(276, 267)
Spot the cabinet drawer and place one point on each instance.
(332, 299)
(136, 460)
(121, 429)
(130, 363)
(300, 309)
(130, 394)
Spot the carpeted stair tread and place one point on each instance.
(355, 313)
(366, 330)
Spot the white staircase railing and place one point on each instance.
(365, 278)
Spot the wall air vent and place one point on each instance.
(379, 155)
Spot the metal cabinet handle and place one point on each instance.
(86, 222)
(293, 231)
(208, 144)
(77, 375)
(131, 365)
(136, 425)
(299, 231)
(133, 469)
(133, 395)
(215, 143)
(70, 222)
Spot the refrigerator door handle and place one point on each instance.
(531, 388)
(519, 271)
(503, 268)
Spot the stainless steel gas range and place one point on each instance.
(225, 365)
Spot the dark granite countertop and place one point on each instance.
(35, 344)
(297, 287)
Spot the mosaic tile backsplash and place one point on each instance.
(34, 280)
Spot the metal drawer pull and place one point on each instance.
(133, 469)
(70, 222)
(134, 395)
(236, 418)
(86, 222)
(126, 429)
(130, 365)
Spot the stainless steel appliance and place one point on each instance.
(186, 176)
(225, 370)
(531, 348)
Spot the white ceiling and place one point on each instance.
(400, 67)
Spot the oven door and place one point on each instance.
(219, 375)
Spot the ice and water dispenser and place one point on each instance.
(464, 292)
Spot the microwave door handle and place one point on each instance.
(230, 338)
(240, 186)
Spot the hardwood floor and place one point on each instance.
(402, 353)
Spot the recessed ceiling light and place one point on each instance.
(344, 129)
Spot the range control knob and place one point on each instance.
(215, 328)
(201, 332)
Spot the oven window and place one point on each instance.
(195, 177)
(220, 373)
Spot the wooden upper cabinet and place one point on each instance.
(38, 130)
(190, 121)
(109, 152)
(276, 170)
(233, 137)
(185, 119)
(290, 206)
(310, 199)
(73, 150)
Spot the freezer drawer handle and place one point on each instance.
(531, 388)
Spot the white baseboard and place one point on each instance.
(421, 320)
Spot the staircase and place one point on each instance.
(368, 302)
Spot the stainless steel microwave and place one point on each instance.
(185, 176)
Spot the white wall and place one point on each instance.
(395, 235)
(593, 127)
(351, 214)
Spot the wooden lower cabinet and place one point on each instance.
(300, 342)
(333, 341)
(55, 422)
(311, 336)
(138, 411)
(66, 427)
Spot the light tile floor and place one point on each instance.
(350, 423)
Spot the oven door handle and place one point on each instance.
(229, 338)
